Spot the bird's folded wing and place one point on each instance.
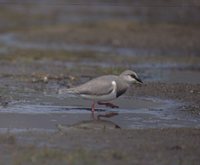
(95, 87)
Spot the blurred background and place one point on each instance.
(48, 44)
(160, 39)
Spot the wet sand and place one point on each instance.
(159, 121)
(172, 138)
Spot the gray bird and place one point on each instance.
(104, 88)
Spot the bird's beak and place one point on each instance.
(139, 80)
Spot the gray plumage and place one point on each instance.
(101, 86)
(108, 87)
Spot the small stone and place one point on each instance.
(45, 79)
(71, 78)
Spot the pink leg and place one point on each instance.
(108, 105)
(93, 107)
(92, 110)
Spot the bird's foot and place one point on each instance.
(111, 105)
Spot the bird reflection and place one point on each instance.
(106, 115)
(94, 124)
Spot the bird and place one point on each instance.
(104, 88)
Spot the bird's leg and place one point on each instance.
(111, 105)
(93, 107)
(92, 110)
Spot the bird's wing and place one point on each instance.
(99, 86)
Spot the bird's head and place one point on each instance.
(130, 77)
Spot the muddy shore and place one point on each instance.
(88, 145)
(143, 146)
(47, 46)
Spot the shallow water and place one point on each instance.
(31, 107)
(37, 107)
(133, 113)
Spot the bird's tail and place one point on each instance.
(63, 91)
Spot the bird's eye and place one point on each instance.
(133, 76)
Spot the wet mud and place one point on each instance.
(46, 46)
